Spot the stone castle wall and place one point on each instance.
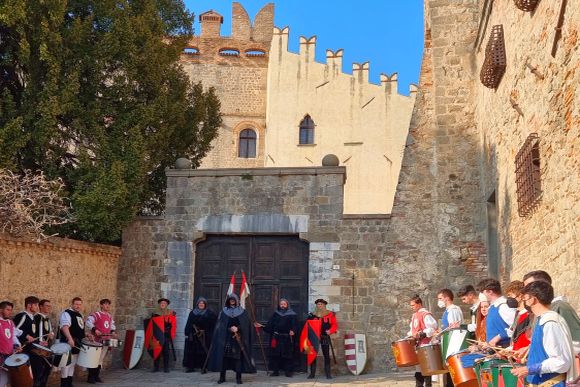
(58, 269)
(364, 124)
(549, 238)
(436, 237)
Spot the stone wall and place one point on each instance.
(549, 238)
(159, 254)
(364, 124)
(436, 237)
(58, 270)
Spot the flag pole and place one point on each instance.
(253, 316)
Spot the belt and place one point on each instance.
(550, 382)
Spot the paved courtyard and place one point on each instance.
(142, 377)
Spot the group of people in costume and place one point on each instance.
(32, 333)
(523, 323)
(222, 342)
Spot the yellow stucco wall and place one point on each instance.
(364, 124)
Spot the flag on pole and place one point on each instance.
(244, 291)
(232, 284)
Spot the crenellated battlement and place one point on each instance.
(334, 61)
(248, 44)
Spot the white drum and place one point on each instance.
(90, 354)
(61, 355)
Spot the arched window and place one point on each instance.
(247, 144)
(307, 130)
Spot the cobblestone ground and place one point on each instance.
(142, 377)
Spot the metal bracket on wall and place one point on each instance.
(559, 27)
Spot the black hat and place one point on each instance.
(321, 300)
(163, 299)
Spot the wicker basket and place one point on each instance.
(495, 59)
(526, 5)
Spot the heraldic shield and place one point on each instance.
(310, 339)
(155, 334)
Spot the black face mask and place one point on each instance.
(512, 302)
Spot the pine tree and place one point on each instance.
(91, 91)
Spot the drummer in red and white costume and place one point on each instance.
(8, 337)
(102, 328)
(423, 326)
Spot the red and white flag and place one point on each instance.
(244, 291)
(232, 284)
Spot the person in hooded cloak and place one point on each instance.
(282, 327)
(198, 334)
(231, 342)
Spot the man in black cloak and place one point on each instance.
(231, 343)
(198, 333)
(282, 327)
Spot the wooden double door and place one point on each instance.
(275, 267)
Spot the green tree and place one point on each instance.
(91, 91)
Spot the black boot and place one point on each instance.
(419, 379)
(327, 371)
(156, 365)
(97, 375)
(70, 380)
(312, 371)
(91, 376)
(239, 378)
(222, 377)
(63, 382)
(428, 381)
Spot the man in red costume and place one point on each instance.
(102, 328)
(422, 327)
(328, 326)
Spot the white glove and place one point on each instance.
(471, 327)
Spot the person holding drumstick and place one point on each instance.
(8, 337)
(422, 327)
(72, 331)
(102, 328)
(25, 321)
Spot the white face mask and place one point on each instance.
(441, 304)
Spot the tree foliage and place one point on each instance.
(91, 91)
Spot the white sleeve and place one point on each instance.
(113, 326)
(455, 315)
(16, 335)
(430, 325)
(507, 314)
(90, 323)
(64, 319)
(557, 347)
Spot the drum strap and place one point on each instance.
(549, 383)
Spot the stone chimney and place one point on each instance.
(211, 23)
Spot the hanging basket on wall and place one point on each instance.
(495, 59)
(526, 5)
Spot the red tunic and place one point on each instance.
(6, 336)
(418, 324)
(522, 340)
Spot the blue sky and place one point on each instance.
(388, 33)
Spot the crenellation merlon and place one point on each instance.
(360, 71)
(308, 48)
(391, 83)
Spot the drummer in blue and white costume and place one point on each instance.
(453, 316)
(551, 356)
(500, 316)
